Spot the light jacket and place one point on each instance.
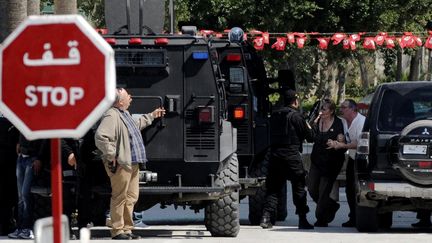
(112, 137)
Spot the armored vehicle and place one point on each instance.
(394, 154)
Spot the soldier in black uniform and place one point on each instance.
(288, 130)
(8, 182)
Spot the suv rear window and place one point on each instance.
(400, 107)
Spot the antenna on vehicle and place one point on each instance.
(128, 17)
(172, 17)
(141, 13)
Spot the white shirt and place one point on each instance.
(352, 133)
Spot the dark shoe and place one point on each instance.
(304, 224)
(121, 237)
(266, 222)
(422, 224)
(350, 223)
(134, 237)
(321, 224)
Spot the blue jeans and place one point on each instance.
(24, 173)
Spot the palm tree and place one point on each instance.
(12, 13)
(65, 6)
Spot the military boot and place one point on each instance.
(266, 221)
(303, 223)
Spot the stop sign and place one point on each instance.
(57, 76)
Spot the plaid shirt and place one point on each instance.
(136, 141)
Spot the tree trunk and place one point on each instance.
(12, 13)
(429, 69)
(363, 71)
(65, 7)
(398, 65)
(341, 84)
(415, 65)
(33, 7)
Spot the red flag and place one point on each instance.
(407, 41)
(355, 37)
(205, 33)
(428, 43)
(369, 43)
(418, 41)
(279, 44)
(323, 42)
(291, 38)
(337, 38)
(259, 43)
(266, 36)
(390, 43)
(346, 44)
(255, 32)
(301, 41)
(379, 39)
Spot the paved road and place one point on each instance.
(170, 225)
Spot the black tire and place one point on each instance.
(366, 219)
(222, 216)
(385, 220)
(41, 206)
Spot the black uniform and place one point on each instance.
(8, 182)
(288, 131)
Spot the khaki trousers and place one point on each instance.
(124, 195)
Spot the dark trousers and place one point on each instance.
(8, 192)
(281, 170)
(350, 189)
(320, 187)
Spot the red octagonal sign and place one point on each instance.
(57, 76)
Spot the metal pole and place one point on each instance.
(56, 189)
(128, 16)
(171, 9)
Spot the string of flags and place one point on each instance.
(349, 41)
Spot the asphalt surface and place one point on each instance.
(170, 225)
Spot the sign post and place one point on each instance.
(57, 78)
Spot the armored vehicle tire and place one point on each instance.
(42, 206)
(222, 216)
(256, 202)
(366, 219)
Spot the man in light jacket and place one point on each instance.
(119, 139)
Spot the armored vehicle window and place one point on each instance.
(399, 108)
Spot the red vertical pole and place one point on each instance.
(56, 188)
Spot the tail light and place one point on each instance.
(235, 57)
(239, 113)
(425, 164)
(371, 186)
(363, 143)
(161, 41)
(205, 114)
(111, 41)
(135, 41)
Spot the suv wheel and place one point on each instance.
(222, 216)
(366, 219)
